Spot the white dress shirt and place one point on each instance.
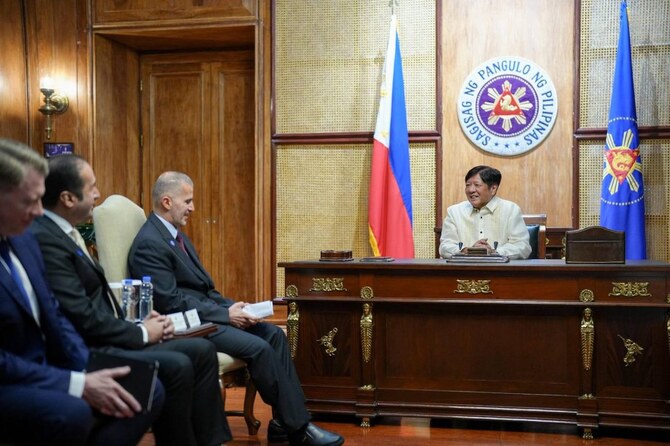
(498, 221)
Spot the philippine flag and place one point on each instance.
(390, 198)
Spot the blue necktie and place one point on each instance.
(4, 253)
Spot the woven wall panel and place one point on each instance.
(656, 171)
(322, 195)
(329, 57)
(649, 23)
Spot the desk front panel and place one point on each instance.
(485, 341)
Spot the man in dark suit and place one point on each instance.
(45, 398)
(182, 283)
(193, 413)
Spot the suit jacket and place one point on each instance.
(83, 291)
(180, 283)
(31, 355)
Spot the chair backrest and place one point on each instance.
(537, 231)
(117, 221)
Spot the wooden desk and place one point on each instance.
(534, 340)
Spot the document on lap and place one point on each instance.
(260, 310)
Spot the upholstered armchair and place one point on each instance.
(116, 221)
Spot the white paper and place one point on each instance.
(178, 321)
(192, 318)
(260, 309)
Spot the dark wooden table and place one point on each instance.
(533, 340)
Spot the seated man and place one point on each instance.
(193, 413)
(181, 283)
(484, 220)
(45, 398)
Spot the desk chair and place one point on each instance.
(116, 221)
(537, 231)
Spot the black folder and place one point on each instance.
(140, 382)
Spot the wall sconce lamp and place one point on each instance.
(54, 104)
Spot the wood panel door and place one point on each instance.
(198, 118)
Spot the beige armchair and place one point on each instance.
(116, 221)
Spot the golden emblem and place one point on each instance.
(632, 349)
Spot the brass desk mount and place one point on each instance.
(632, 350)
(327, 341)
(587, 332)
(292, 327)
(473, 286)
(328, 284)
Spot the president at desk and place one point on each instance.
(484, 220)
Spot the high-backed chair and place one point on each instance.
(117, 221)
(537, 231)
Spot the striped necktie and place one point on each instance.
(79, 240)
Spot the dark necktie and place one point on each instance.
(4, 253)
(180, 243)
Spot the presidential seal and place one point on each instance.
(507, 106)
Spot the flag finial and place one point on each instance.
(392, 5)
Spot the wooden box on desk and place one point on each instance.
(595, 244)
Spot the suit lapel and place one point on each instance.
(10, 289)
(70, 246)
(191, 260)
(28, 264)
(194, 260)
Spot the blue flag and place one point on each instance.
(622, 194)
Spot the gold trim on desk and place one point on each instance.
(366, 332)
(328, 284)
(292, 324)
(632, 349)
(630, 289)
(586, 295)
(473, 286)
(327, 341)
(587, 333)
(367, 292)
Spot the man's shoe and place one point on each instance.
(312, 435)
(276, 432)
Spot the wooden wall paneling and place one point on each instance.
(263, 228)
(14, 122)
(540, 181)
(116, 158)
(108, 11)
(83, 86)
(233, 203)
(182, 37)
(54, 49)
